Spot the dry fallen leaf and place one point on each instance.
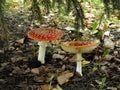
(108, 57)
(16, 59)
(117, 59)
(118, 42)
(84, 62)
(5, 64)
(64, 77)
(16, 70)
(2, 51)
(2, 81)
(94, 69)
(112, 88)
(108, 43)
(35, 70)
(46, 87)
(103, 27)
(98, 82)
(20, 40)
(73, 59)
(57, 88)
(41, 78)
(118, 86)
(58, 56)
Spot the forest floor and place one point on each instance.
(20, 70)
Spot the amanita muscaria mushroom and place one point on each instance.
(80, 47)
(43, 35)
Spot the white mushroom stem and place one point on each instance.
(42, 50)
(79, 63)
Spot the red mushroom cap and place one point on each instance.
(80, 46)
(45, 34)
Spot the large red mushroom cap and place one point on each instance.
(80, 46)
(45, 34)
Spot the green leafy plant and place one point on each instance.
(51, 79)
(94, 26)
(106, 52)
(103, 83)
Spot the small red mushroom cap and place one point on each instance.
(45, 34)
(80, 46)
